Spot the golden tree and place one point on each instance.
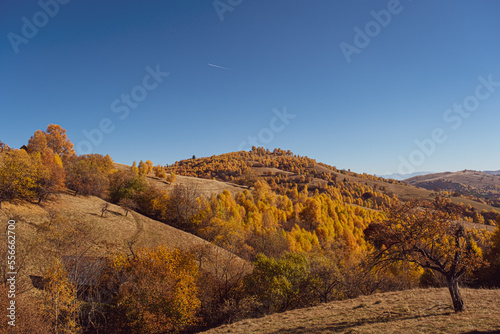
(58, 141)
(37, 142)
(160, 172)
(18, 176)
(160, 292)
(60, 303)
(150, 165)
(429, 239)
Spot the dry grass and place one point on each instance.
(412, 311)
(114, 232)
(203, 186)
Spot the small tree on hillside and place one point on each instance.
(160, 172)
(429, 239)
(127, 204)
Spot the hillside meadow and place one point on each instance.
(412, 311)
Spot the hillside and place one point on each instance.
(412, 311)
(466, 182)
(202, 186)
(284, 167)
(308, 229)
(102, 236)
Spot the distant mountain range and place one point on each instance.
(397, 176)
(492, 172)
(468, 182)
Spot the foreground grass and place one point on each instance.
(413, 311)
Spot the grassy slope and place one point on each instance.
(203, 186)
(109, 233)
(412, 311)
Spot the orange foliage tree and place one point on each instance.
(429, 239)
(160, 293)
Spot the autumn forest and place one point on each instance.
(269, 231)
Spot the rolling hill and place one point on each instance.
(241, 167)
(467, 182)
(116, 231)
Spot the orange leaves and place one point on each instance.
(58, 141)
(160, 293)
(428, 238)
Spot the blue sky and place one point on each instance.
(83, 60)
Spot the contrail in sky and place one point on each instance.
(217, 66)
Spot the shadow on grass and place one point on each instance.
(116, 213)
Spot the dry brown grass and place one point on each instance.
(203, 186)
(114, 232)
(412, 311)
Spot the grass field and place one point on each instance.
(412, 311)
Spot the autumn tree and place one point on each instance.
(88, 175)
(171, 177)
(38, 142)
(126, 185)
(490, 275)
(60, 303)
(18, 176)
(127, 204)
(134, 168)
(150, 165)
(183, 205)
(325, 277)
(159, 292)
(221, 285)
(160, 172)
(143, 168)
(58, 141)
(279, 284)
(429, 239)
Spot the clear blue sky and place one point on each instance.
(84, 59)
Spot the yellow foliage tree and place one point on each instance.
(60, 303)
(18, 176)
(58, 141)
(160, 292)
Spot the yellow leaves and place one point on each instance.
(171, 177)
(60, 304)
(161, 293)
(58, 160)
(301, 240)
(18, 175)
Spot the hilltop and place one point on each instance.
(411, 311)
(283, 167)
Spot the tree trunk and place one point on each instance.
(458, 303)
